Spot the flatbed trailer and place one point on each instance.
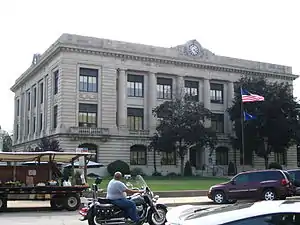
(61, 197)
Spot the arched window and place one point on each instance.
(138, 155)
(221, 156)
(92, 148)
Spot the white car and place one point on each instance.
(281, 212)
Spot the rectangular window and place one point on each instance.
(221, 156)
(138, 155)
(18, 107)
(28, 100)
(280, 157)
(41, 121)
(164, 88)
(33, 125)
(55, 116)
(191, 90)
(88, 80)
(168, 158)
(88, 115)
(135, 118)
(34, 97)
(216, 93)
(17, 132)
(217, 123)
(135, 86)
(28, 127)
(41, 93)
(56, 73)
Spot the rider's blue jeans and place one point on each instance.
(129, 208)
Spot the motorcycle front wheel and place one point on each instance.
(158, 218)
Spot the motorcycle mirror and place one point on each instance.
(98, 180)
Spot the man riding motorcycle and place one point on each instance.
(115, 193)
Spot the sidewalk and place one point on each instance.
(185, 200)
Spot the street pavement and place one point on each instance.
(38, 212)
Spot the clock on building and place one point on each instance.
(194, 49)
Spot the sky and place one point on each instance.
(259, 30)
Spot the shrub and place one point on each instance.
(231, 169)
(136, 171)
(275, 165)
(172, 174)
(156, 174)
(118, 165)
(188, 169)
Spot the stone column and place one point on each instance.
(206, 98)
(180, 87)
(230, 98)
(122, 97)
(152, 96)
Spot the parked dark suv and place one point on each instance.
(294, 175)
(256, 185)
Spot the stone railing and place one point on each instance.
(90, 131)
(139, 132)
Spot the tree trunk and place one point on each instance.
(266, 158)
(154, 161)
(182, 166)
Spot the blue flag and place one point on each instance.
(248, 116)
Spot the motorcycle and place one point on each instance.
(101, 211)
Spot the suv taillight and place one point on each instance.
(284, 182)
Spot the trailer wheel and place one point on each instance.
(72, 202)
(57, 203)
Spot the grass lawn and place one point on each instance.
(174, 183)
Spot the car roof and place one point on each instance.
(256, 209)
(260, 171)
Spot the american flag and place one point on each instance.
(249, 97)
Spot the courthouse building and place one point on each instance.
(99, 94)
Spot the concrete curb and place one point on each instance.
(189, 203)
(164, 194)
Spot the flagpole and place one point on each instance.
(242, 129)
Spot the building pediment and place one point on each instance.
(195, 50)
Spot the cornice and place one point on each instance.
(58, 47)
(180, 63)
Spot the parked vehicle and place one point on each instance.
(260, 213)
(36, 182)
(295, 179)
(101, 211)
(256, 185)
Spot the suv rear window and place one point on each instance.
(272, 175)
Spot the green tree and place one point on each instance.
(182, 127)
(47, 144)
(274, 129)
(7, 143)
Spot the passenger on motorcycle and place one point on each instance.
(115, 193)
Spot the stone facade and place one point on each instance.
(99, 94)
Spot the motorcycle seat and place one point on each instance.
(104, 201)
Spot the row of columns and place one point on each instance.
(152, 97)
(25, 114)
